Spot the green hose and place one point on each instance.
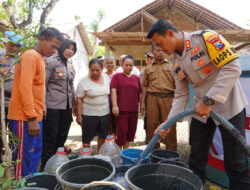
(228, 126)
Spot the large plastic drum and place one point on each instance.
(162, 177)
(75, 174)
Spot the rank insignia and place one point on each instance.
(59, 70)
(176, 65)
(3, 61)
(7, 56)
(215, 40)
(181, 75)
(207, 69)
(187, 44)
(195, 50)
(60, 74)
(201, 63)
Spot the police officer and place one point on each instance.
(12, 46)
(60, 99)
(210, 64)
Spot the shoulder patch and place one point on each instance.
(219, 50)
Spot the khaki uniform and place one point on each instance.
(60, 97)
(210, 64)
(5, 63)
(160, 86)
(59, 83)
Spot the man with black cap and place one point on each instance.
(12, 44)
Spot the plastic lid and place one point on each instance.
(60, 150)
(109, 138)
(85, 151)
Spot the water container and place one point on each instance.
(111, 149)
(85, 152)
(55, 161)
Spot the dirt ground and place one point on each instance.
(74, 141)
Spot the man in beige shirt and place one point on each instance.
(158, 86)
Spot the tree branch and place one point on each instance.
(30, 16)
(46, 12)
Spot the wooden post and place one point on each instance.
(106, 50)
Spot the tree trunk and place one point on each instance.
(46, 12)
(7, 157)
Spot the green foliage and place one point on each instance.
(94, 25)
(10, 183)
(77, 17)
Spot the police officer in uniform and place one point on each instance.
(210, 64)
(12, 45)
(60, 99)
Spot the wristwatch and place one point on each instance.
(208, 101)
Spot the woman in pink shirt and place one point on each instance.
(125, 95)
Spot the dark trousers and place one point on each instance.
(55, 131)
(235, 159)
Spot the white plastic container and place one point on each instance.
(55, 161)
(111, 149)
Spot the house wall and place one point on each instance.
(179, 19)
(80, 59)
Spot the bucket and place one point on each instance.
(44, 181)
(163, 154)
(177, 163)
(119, 175)
(131, 155)
(75, 174)
(162, 177)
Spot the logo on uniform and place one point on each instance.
(187, 44)
(201, 62)
(181, 75)
(195, 50)
(207, 69)
(176, 65)
(215, 40)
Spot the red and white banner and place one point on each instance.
(216, 154)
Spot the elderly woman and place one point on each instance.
(125, 94)
(109, 61)
(93, 104)
(60, 98)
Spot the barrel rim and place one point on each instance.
(162, 158)
(63, 182)
(130, 184)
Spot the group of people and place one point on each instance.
(107, 101)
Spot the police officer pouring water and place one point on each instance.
(210, 64)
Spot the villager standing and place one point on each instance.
(158, 87)
(125, 95)
(93, 104)
(27, 101)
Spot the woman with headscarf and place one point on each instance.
(60, 99)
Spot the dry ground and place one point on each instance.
(74, 141)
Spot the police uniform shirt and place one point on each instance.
(5, 63)
(195, 65)
(59, 83)
(158, 78)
